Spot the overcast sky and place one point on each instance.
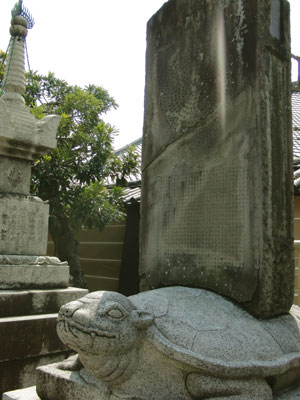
(101, 42)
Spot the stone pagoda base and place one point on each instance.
(33, 272)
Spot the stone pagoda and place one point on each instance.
(32, 285)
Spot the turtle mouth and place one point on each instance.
(75, 329)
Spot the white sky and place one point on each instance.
(101, 42)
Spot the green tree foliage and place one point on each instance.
(73, 178)
(2, 65)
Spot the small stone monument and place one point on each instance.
(27, 313)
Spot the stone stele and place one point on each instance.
(216, 208)
(171, 343)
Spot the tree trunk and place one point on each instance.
(65, 248)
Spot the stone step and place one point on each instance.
(29, 341)
(31, 302)
(28, 330)
(29, 336)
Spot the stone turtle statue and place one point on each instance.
(179, 343)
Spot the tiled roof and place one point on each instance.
(132, 194)
(138, 149)
(296, 124)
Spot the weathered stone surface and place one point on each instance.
(29, 302)
(14, 176)
(21, 373)
(38, 336)
(23, 225)
(217, 156)
(178, 343)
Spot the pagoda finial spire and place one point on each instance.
(22, 136)
(14, 78)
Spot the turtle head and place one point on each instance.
(102, 322)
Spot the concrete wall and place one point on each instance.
(129, 273)
(100, 254)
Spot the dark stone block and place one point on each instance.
(29, 336)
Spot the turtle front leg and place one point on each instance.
(209, 387)
(70, 364)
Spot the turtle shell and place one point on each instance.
(208, 332)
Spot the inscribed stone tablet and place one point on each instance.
(14, 175)
(23, 226)
(217, 155)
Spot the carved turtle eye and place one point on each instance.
(115, 313)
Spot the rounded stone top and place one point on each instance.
(18, 26)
